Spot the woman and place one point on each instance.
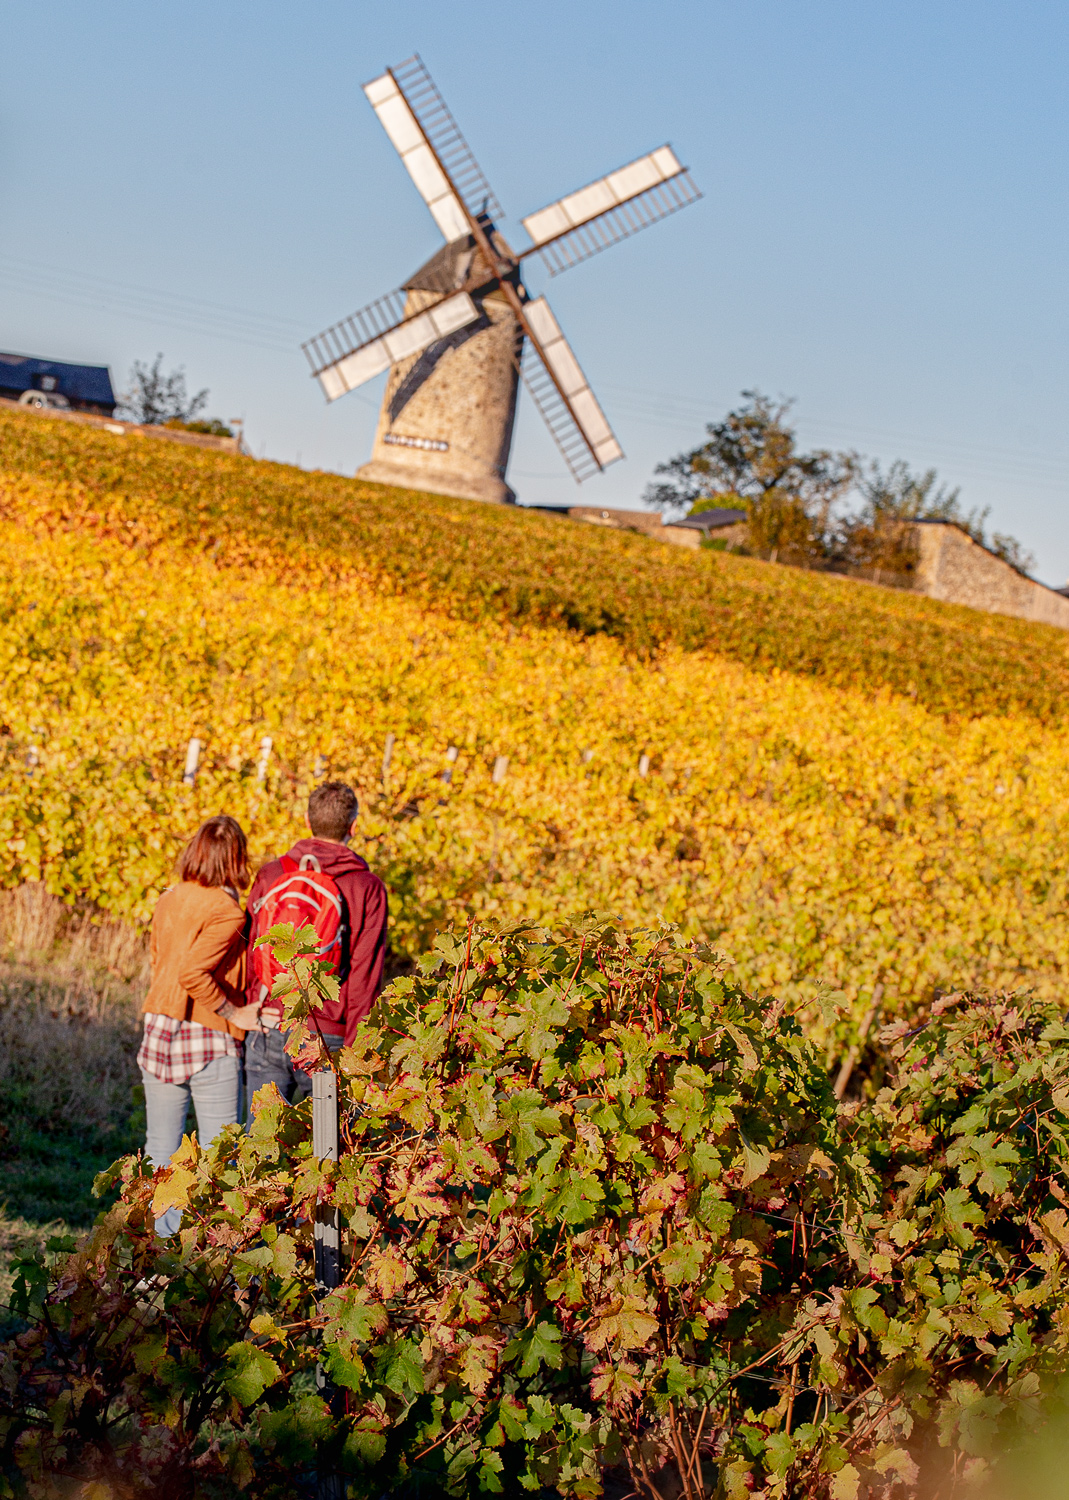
(194, 1015)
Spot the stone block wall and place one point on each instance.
(452, 437)
(952, 567)
(646, 522)
(120, 428)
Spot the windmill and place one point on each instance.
(459, 335)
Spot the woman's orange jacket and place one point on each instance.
(198, 956)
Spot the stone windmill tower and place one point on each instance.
(461, 333)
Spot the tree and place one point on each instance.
(155, 398)
(751, 460)
(878, 534)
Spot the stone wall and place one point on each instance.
(647, 522)
(121, 429)
(952, 567)
(736, 534)
(452, 437)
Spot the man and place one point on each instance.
(320, 869)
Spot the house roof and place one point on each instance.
(710, 520)
(76, 382)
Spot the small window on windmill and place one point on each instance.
(46, 382)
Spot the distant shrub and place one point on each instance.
(212, 427)
(600, 1211)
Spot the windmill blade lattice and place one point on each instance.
(442, 131)
(349, 334)
(618, 223)
(553, 409)
(408, 335)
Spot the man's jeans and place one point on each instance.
(216, 1093)
(267, 1061)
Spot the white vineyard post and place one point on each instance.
(265, 755)
(451, 756)
(387, 756)
(327, 1243)
(193, 750)
(643, 764)
(325, 1147)
(501, 765)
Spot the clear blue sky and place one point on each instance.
(883, 232)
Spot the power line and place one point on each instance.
(233, 324)
(167, 309)
(46, 277)
(1044, 471)
(163, 308)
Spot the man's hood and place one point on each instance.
(334, 859)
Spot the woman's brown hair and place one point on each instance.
(217, 854)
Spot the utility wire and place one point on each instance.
(686, 407)
(166, 309)
(1043, 471)
(653, 408)
(39, 271)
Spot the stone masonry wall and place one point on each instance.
(467, 401)
(952, 567)
(646, 522)
(120, 428)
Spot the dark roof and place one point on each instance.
(446, 270)
(710, 520)
(76, 382)
(460, 263)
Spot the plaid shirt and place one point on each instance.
(173, 1051)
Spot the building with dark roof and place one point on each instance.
(86, 387)
(719, 524)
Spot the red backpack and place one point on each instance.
(308, 897)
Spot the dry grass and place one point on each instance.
(70, 992)
(96, 956)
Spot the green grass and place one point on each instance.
(48, 1173)
(482, 560)
(69, 1094)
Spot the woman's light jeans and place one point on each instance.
(216, 1093)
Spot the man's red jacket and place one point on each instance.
(364, 944)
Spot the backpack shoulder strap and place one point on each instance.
(288, 867)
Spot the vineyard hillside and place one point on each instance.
(843, 785)
(498, 562)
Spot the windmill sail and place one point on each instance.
(442, 134)
(455, 362)
(401, 125)
(360, 347)
(437, 157)
(567, 404)
(611, 209)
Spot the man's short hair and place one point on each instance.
(332, 808)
